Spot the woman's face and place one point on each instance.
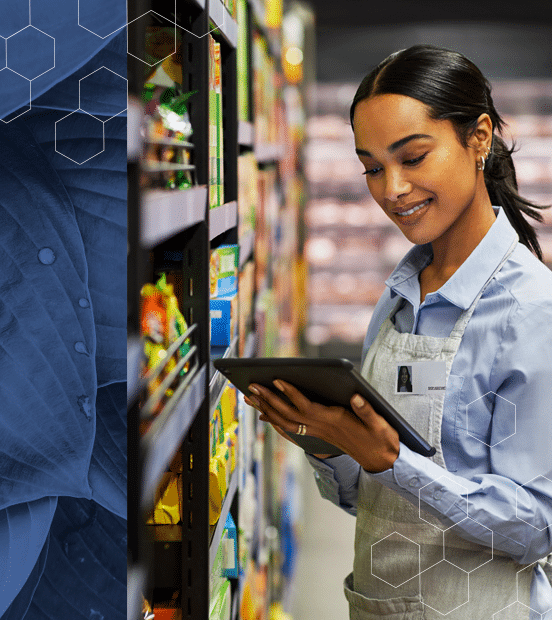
(418, 171)
(404, 375)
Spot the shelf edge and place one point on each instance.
(222, 218)
(160, 444)
(168, 212)
(217, 536)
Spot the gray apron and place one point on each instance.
(409, 564)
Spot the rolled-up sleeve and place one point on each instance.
(337, 480)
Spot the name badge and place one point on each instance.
(420, 377)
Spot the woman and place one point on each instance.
(403, 383)
(466, 533)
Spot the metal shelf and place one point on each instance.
(166, 167)
(266, 153)
(217, 536)
(222, 218)
(170, 142)
(227, 26)
(166, 433)
(135, 355)
(136, 581)
(246, 133)
(217, 380)
(134, 124)
(167, 212)
(246, 247)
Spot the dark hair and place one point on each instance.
(454, 88)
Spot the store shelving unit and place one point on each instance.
(173, 231)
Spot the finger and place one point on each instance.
(253, 402)
(281, 432)
(364, 410)
(268, 397)
(295, 396)
(284, 419)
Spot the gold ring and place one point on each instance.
(302, 429)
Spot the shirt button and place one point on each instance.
(83, 302)
(46, 256)
(438, 494)
(414, 482)
(80, 347)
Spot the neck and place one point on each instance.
(461, 239)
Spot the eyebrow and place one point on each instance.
(396, 145)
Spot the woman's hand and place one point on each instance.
(365, 436)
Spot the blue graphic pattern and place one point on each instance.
(63, 334)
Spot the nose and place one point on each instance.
(396, 185)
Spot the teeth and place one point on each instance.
(414, 209)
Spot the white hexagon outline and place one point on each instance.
(96, 70)
(420, 502)
(175, 27)
(150, 11)
(5, 52)
(41, 31)
(511, 605)
(492, 545)
(518, 517)
(528, 567)
(30, 96)
(95, 33)
(372, 562)
(458, 606)
(55, 137)
(468, 419)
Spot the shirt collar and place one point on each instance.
(463, 287)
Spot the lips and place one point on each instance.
(412, 208)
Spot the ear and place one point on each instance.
(482, 136)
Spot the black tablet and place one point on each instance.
(325, 381)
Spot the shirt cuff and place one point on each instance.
(337, 480)
(422, 481)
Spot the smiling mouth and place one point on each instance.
(414, 209)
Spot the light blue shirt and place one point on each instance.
(497, 421)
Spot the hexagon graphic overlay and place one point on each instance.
(473, 409)
(436, 490)
(15, 16)
(99, 24)
(10, 82)
(103, 79)
(445, 572)
(514, 611)
(469, 560)
(22, 56)
(543, 480)
(79, 150)
(160, 35)
(3, 45)
(386, 547)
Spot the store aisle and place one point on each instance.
(325, 557)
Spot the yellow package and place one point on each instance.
(168, 505)
(215, 491)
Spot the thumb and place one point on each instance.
(362, 409)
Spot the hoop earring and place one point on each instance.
(481, 166)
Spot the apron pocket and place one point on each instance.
(363, 608)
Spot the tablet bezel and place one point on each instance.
(328, 381)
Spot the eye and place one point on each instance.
(372, 171)
(416, 160)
